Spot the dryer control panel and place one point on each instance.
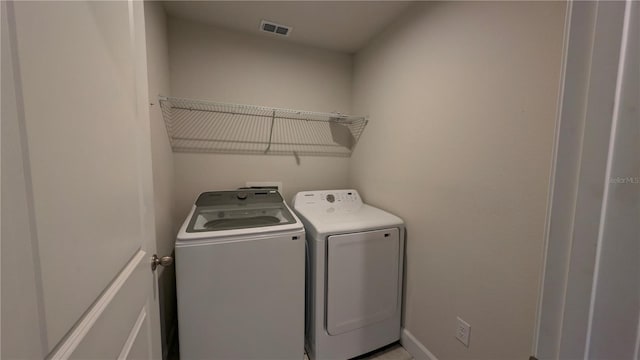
(328, 200)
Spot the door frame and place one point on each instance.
(583, 150)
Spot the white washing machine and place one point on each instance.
(240, 278)
(354, 281)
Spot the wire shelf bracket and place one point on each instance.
(205, 126)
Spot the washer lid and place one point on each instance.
(239, 213)
(216, 218)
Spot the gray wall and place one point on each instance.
(22, 326)
(462, 101)
(224, 66)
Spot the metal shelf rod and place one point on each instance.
(250, 107)
(337, 118)
(203, 126)
(273, 120)
(258, 142)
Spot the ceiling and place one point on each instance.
(344, 26)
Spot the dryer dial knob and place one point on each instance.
(331, 198)
(242, 195)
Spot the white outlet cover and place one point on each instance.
(463, 331)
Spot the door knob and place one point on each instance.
(164, 261)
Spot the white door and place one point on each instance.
(77, 219)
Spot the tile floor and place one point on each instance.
(391, 352)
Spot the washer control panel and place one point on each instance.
(328, 200)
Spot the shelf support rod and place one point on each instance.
(273, 120)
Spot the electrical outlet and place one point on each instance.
(463, 331)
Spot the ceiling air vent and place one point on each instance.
(271, 27)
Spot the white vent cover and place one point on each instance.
(271, 27)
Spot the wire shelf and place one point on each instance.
(204, 126)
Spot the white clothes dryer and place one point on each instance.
(240, 278)
(354, 274)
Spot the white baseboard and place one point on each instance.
(415, 347)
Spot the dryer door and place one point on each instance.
(362, 279)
